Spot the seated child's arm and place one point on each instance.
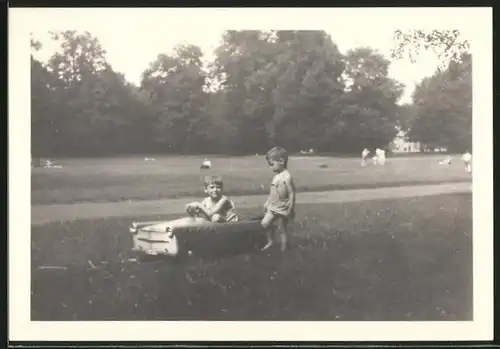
(195, 208)
(190, 207)
(216, 209)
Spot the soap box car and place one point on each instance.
(195, 235)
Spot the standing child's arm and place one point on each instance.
(290, 186)
(266, 204)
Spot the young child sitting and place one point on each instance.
(216, 207)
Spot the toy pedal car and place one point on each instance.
(195, 235)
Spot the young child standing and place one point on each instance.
(280, 205)
(216, 207)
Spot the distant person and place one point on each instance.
(381, 157)
(206, 164)
(280, 204)
(467, 159)
(364, 156)
(216, 207)
(446, 161)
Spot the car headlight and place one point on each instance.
(170, 232)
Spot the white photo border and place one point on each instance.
(478, 21)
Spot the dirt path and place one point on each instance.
(41, 214)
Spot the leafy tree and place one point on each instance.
(90, 104)
(308, 88)
(369, 114)
(76, 67)
(82, 56)
(222, 131)
(292, 88)
(43, 107)
(447, 45)
(406, 113)
(443, 107)
(278, 86)
(241, 69)
(176, 88)
(442, 112)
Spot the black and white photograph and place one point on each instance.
(311, 174)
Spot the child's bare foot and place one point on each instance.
(267, 246)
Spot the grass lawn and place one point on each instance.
(408, 259)
(117, 179)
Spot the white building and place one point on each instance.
(401, 145)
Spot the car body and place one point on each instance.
(194, 235)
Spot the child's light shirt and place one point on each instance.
(279, 200)
(227, 211)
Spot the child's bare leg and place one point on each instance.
(267, 224)
(283, 241)
(269, 236)
(283, 232)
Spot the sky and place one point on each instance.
(134, 37)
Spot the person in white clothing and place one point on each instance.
(467, 159)
(375, 157)
(446, 161)
(206, 164)
(364, 156)
(381, 157)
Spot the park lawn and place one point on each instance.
(122, 179)
(400, 260)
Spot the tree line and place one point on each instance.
(292, 88)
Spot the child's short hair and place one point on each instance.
(217, 180)
(278, 153)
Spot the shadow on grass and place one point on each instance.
(384, 260)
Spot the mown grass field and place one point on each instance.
(131, 178)
(400, 260)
